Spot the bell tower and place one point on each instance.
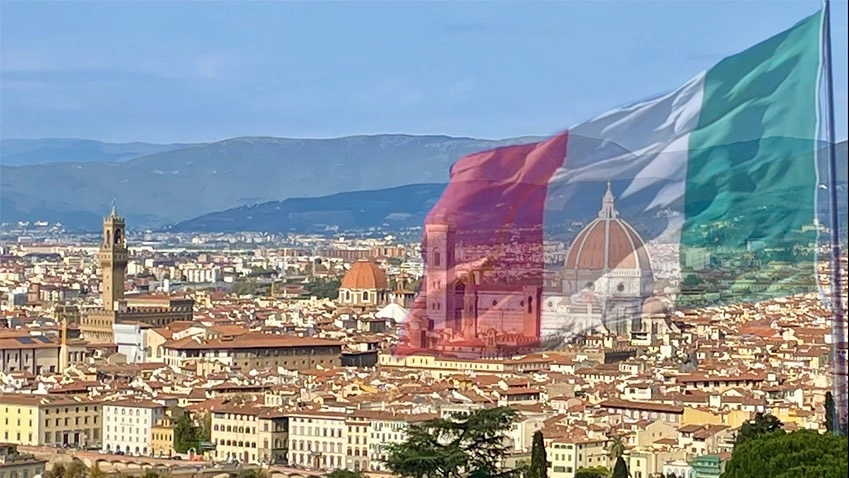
(113, 259)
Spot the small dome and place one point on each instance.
(365, 275)
(607, 243)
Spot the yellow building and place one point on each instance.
(14, 464)
(695, 416)
(162, 437)
(50, 420)
(566, 455)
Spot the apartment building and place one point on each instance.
(385, 428)
(318, 440)
(357, 428)
(128, 425)
(162, 437)
(567, 454)
(234, 432)
(50, 420)
(273, 440)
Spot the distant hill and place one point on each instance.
(175, 185)
(407, 206)
(23, 152)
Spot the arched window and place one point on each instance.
(437, 258)
(108, 237)
(117, 236)
(365, 295)
(530, 304)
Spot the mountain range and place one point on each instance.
(165, 184)
(407, 206)
(252, 183)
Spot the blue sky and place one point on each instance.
(203, 71)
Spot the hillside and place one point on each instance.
(170, 186)
(407, 206)
(24, 152)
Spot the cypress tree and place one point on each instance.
(620, 470)
(539, 460)
(829, 412)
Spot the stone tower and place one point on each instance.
(113, 259)
(439, 274)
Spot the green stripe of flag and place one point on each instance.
(751, 176)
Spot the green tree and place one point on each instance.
(593, 472)
(829, 412)
(185, 434)
(801, 454)
(620, 469)
(616, 448)
(324, 288)
(470, 445)
(539, 460)
(762, 424)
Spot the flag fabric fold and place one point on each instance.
(705, 195)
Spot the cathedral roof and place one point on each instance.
(608, 242)
(365, 274)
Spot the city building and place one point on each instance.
(318, 439)
(63, 420)
(128, 425)
(364, 285)
(15, 464)
(255, 351)
(97, 325)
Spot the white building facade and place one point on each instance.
(127, 426)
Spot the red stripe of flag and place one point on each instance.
(495, 200)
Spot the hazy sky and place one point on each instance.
(202, 71)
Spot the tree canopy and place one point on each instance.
(470, 445)
(761, 425)
(800, 454)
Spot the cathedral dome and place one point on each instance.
(365, 275)
(608, 243)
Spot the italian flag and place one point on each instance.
(720, 174)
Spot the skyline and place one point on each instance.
(205, 72)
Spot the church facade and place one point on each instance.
(96, 325)
(605, 285)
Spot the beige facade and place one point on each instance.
(50, 420)
(273, 440)
(567, 455)
(255, 351)
(318, 440)
(37, 354)
(234, 433)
